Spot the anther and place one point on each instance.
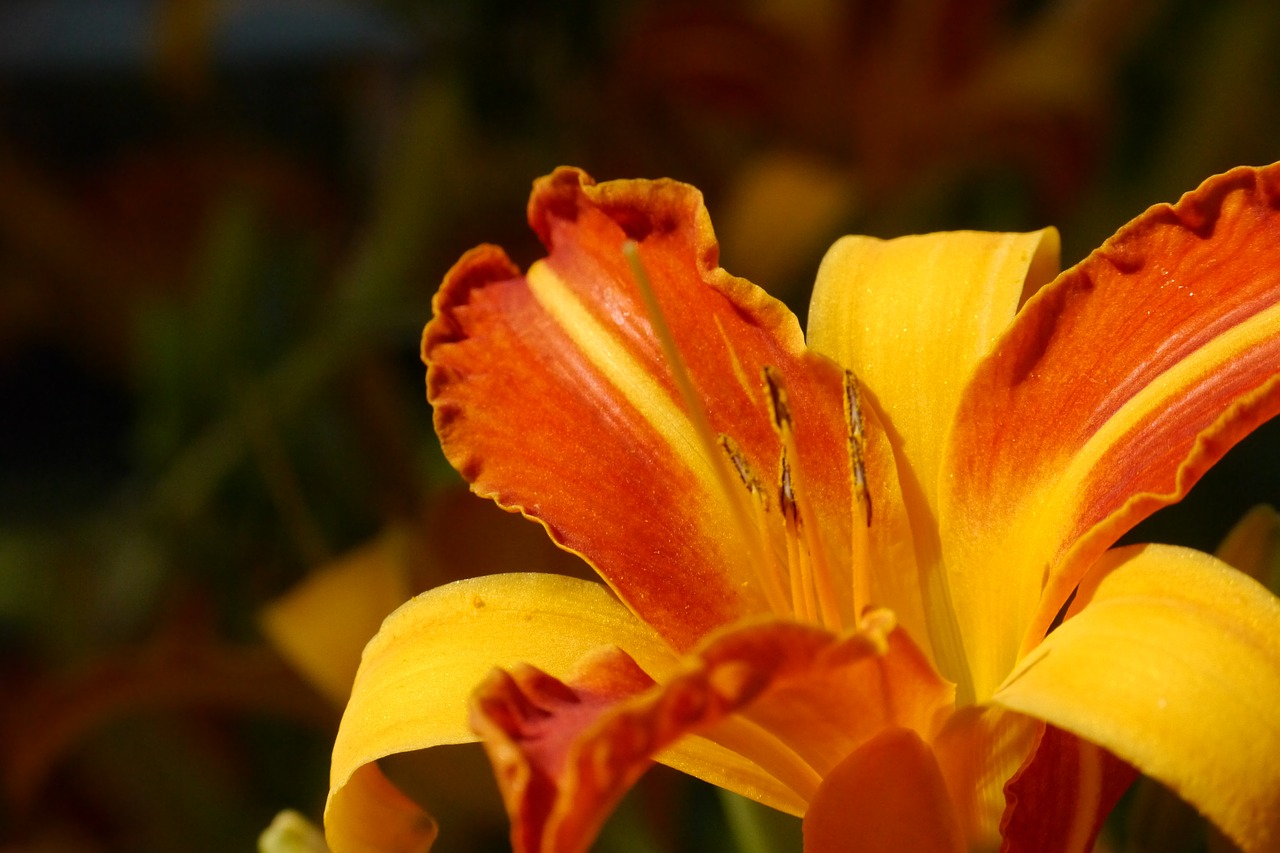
(740, 464)
(777, 398)
(810, 561)
(857, 443)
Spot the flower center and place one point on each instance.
(794, 565)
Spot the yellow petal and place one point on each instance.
(911, 317)
(711, 762)
(1253, 546)
(416, 675)
(372, 815)
(321, 625)
(1171, 660)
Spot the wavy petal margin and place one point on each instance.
(1117, 386)
(552, 396)
(564, 754)
(418, 672)
(1170, 659)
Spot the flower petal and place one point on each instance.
(1170, 659)
(371, 814)
(887, 796)
(1116, 388)
(417, 673)
(1253, 546)
(712, 762)
(564, 755)
(1059, 800)
(552, 396)
(979, 749)
(528, 719)
(912, 317)
(321, 625)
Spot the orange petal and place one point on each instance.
(553, 397)
(887, 796)
(1118, 385)
(1059, 800)
(564, 755)
(528, 721)
(834, 695)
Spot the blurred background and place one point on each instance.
(221, 224)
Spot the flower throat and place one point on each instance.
(778, 526)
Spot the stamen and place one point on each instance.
(800, 590)
(701, 422)
(859, 534)
(773, 585)
(741, 465)
(801, 522)
(857, 443)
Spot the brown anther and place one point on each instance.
(740, 464)
(857, 443)
(786, 491)
(777, 397)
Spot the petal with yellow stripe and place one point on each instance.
(553, 396)
(1118, 385)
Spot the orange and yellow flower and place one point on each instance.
(865, 578)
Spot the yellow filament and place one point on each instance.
(701, 422)
(773, 568)
(860, 500)
(811, 537)
(860, 565)
(799, 588)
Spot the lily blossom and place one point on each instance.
(866, 578)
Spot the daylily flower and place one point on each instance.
(865, 578)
